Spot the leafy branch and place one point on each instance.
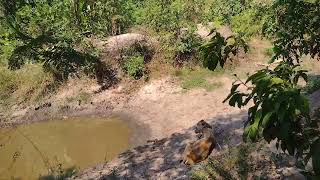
(219, 49)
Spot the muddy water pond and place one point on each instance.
(30, 151)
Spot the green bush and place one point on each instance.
(247, 23)
(246, 18)
(224, 10)
(219, 50)
(105, 17)
(169, 16)
(158, 15)
(186, 47)
(46, 34)
(134, 66)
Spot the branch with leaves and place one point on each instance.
(280, 112)
(219, 49)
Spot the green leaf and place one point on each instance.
(290, 146)
(212, 62)
(235, 87)
(233, 100)
(266, 119)
(228, 97)
(284, 131)
(276, 80)
(305, 77)
(255, 76)
(245, 133)
(253, 131)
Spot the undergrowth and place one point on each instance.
(134, 66)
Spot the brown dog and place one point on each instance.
(199, 150)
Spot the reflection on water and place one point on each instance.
(27, 152)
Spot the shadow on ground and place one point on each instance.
(160, 159)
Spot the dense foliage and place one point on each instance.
(43, 33)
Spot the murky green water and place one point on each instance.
(27, 152)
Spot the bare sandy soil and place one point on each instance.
(164, 107)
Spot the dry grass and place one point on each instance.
(27, 85)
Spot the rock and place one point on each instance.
(115, 44)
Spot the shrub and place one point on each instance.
(280, 111)
(186, 47)
(158, 15)
(134, 58)
(137, 49)
(8, 84)
(103, 17)
(46, 34)
(247, 23)
(169, 16)
(224, 10)
(246, 18)
(83, 97)
(134, 66)
(218, 50)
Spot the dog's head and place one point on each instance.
(201, 125)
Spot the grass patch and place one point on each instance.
(269, 52)
(192, 79)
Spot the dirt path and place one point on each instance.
(165, 108)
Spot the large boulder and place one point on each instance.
(115, 44)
